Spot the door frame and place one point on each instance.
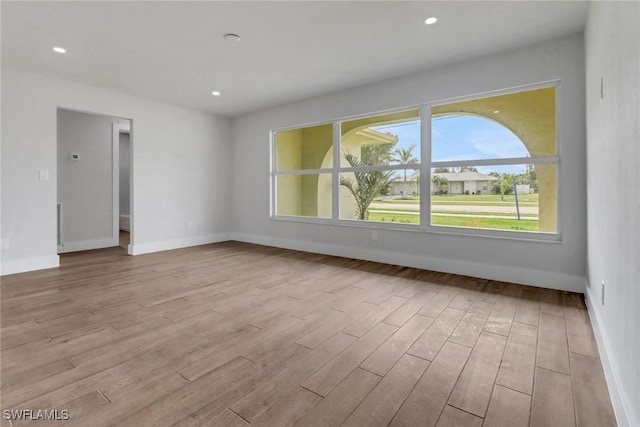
(117, 129)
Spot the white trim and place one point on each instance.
(612, 375)
(87, 245)
(302, 172)
(335, 173)
(131, 188)
(425, 166)
(272, 177)
(117, 129)
(538, 278)
(60, 219)
(166, 245)
(432, 229)
(29, 264)
(497, 161)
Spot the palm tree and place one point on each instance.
(439, 182)
(366, 186)
(404, 156)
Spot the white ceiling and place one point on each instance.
(175, 52)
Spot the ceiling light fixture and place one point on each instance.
(215, 93)
(232, 37)
(496, 111)
(59, 49)
(431, 20)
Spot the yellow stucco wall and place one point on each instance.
(300, 149)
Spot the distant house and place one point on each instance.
(458, 183)
(466, 182)
(401, 187)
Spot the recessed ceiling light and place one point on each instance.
(232, 37)
(496, 111)
(215, 93)
(59, 49)
(431, 20)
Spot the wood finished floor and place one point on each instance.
(235, 334)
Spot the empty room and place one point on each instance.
(320, 213)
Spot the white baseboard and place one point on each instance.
(611, 372)
(29, 264)
(564, 282)
(166, 245)
(88, 245)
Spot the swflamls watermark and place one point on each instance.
(36, 414)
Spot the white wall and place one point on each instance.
(181, 169)
(555, 265)
(85, 186)
(613, 152)
(124, 181)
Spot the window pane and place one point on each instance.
(305, 148)
(521, 124)
(490, 197)
(380, 196)
(388, 139)
(304, 195)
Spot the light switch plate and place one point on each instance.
(43, 174)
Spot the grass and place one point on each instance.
(474, 219)
(487, 223)
(490, 223)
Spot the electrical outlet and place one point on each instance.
(602, 291)
(4, 243)
(374, 235)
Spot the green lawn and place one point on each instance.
(452, 218)
(474, 222)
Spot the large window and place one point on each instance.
(494, 162)
(379, 164)
(490, 164)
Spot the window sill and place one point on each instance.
(519, 236)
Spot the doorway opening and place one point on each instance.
(94, 181)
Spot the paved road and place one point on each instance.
(457, 208)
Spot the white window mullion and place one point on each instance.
(335, 174)
(425, 167)
(496, 162)
(303, 172)
(272, 156)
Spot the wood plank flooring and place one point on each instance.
(234, 334)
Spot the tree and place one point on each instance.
(404, 156)
(464, 169)
(441, 170)
(377, 154)
(366, 186)
(439, 182)
(503, 185)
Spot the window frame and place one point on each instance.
(425, 167)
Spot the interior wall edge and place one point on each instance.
(611, 371)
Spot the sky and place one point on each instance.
(463, 137)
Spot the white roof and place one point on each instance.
(466, 176)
